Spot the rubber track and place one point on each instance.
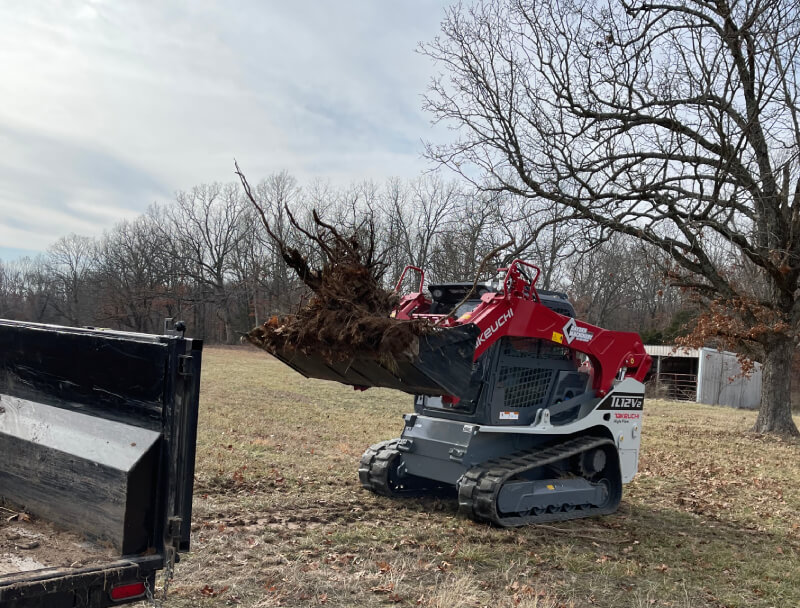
(376, 466)
(373, 469)
(479, 487)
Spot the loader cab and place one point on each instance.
(514, 377)
(557, 301)
(511, 381)
(444, 296)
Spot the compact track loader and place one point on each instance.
(529, 414)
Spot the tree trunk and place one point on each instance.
(223, 313)
(775, 413)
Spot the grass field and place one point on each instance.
(712, 519)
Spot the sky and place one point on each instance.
(107, 106)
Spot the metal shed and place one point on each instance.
(703, 375)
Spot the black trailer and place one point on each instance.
(97, 438)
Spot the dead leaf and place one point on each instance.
(209, 591)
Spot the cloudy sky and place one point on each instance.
(106, 106)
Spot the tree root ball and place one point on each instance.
(348, 313)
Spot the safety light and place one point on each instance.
(124, 592)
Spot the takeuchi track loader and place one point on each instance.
(528, 413)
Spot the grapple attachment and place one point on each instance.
(442, 367)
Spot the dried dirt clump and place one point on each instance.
(28, 543)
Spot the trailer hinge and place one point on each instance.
(185, 365)
(174, 529)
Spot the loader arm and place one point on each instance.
(517, 311)
(609, 351)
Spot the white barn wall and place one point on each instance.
(720, 381)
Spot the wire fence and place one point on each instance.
(677, 387)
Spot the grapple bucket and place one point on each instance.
(442, 367)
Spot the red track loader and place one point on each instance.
(529, 414)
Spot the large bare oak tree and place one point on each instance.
(676, 122)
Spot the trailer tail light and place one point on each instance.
(125, 592)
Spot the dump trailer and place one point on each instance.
(97, 436)
(529, 414)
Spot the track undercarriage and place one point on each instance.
(569, 479)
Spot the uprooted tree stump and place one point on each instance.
(348, 313)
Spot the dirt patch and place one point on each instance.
(28, 544)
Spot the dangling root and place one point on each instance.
(348, 312)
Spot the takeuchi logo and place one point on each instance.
(502, 319)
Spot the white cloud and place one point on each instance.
(107, 106)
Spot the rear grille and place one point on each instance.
(524, 386)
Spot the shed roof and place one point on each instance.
(671, 351)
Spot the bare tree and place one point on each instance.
(133, 264)
(35, 288)
(10, 298)
(418, 215)
(541, 233)
(271, 286)
(672, 122)
(603, 282)
(469, 234)
(71, 261)
(205, 228)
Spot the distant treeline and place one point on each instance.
(206, 258)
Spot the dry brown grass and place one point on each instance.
(280, 520)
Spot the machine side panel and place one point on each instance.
(618, 415)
